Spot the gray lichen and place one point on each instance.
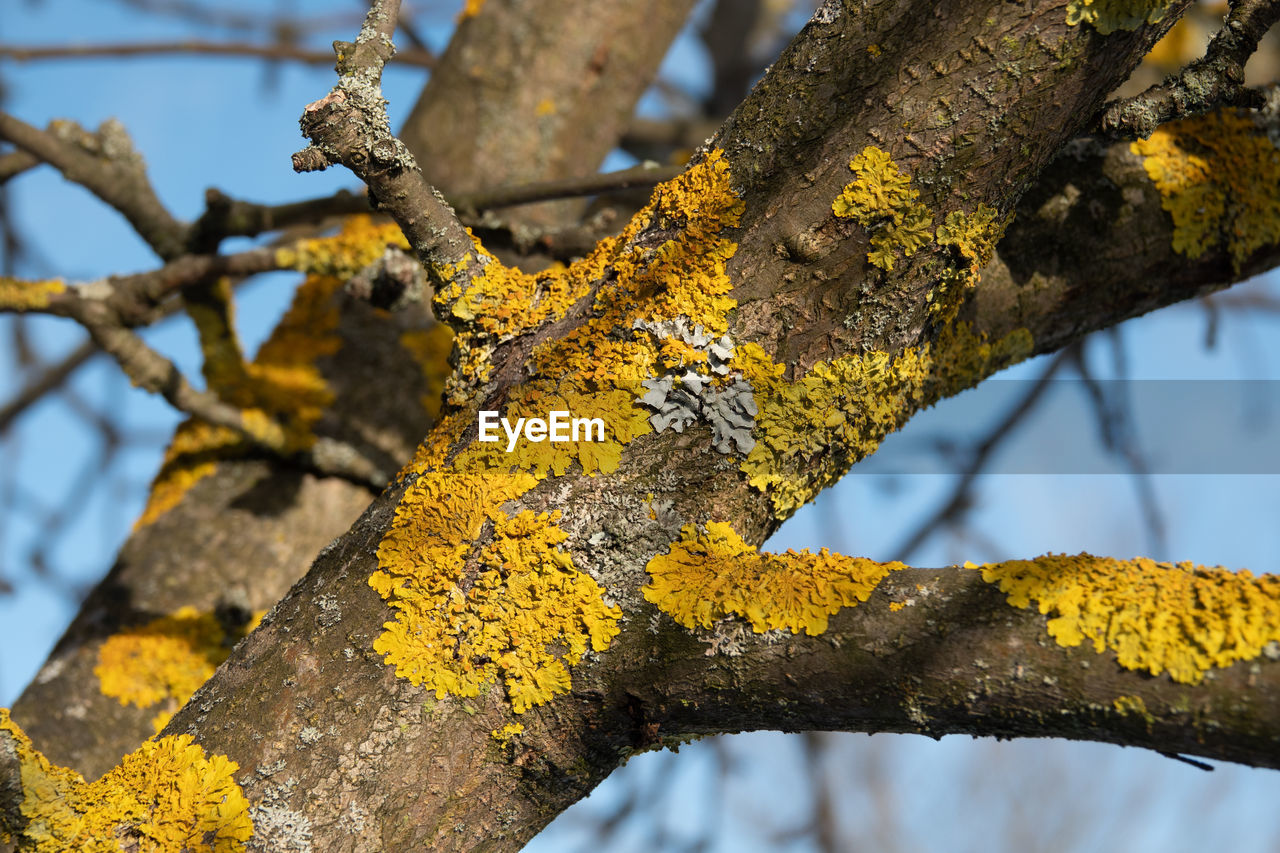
(679, 401)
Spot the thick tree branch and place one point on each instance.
(1215, 80)
(939, 651)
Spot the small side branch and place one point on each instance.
(350, 126)
(274, 52)
(106, 164)
(637, 176)
(14, 163)
(1216, 79)
(151, 371)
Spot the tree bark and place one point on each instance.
(973, 100)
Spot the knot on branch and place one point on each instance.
(349, 126)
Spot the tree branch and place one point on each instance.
(14, 163)
(1214, 80)
(152, 372)
(419, 58)
(47, 381)
(645, 175)
(940, 651)
(350, 126)
(112, 170)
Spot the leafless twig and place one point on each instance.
(111, 170)
(1216, 79)
(420, 58)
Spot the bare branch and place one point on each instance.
(225, 216)
(112, 170)
(1216, 79)
(48, 381)
(14, 163)
(350, 126)
(645, 175)
(152, 372)
(420, 58)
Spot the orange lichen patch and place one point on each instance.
(612, 404)
(167, 658)
(712, 575)
(1133, 705)
(360, 242)
(809, 431)
(1182, 619)
(166, 795)
(1107, 16)
(19, 295)
(674, 353)
(881, 200)
(430, 348)
(501, 301)
(470, 9)
(1217, 175)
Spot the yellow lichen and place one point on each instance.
(1217, 175)
(1127, 705)
(281, 392)
(880, 199)
(1157, 617)
(19, 295)
(165, 659)
(707, 576)
(974, 236)
(430, 350)
(481, 594)
(470, 9)
(1107, 16)
(507, 733)
(166, 795)
(522, 613)
(809, 431)
(359, 242)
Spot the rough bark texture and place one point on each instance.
(277, 517)
(974, 100)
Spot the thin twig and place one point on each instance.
(1216, 79)
(114, 173)
(14, 163)
(637, 176)
(152, 372)
(419, 58)
(48, 381)
(225, 216)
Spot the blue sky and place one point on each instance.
(203, 122)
